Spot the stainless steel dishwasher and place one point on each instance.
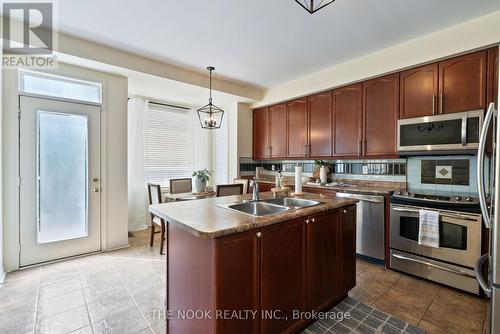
(370, 224)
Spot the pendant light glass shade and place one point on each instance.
(210, 115)
(312, 6)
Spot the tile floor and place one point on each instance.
(119, 292)
(432, 307)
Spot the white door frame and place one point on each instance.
(10, 109)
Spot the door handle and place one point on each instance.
(478, 270)
(434, 104)
(441, 103)
(359, 147)
(96, 190)
(480, 165)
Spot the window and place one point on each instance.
(168, 144)
(36, 83)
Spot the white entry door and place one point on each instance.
(60, 190)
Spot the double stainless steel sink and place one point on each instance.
(272, 206)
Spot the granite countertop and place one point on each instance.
(355, 188)
(205, 219)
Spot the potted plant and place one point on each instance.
(200, 179)
(323, 171)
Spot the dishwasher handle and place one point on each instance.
(364, 198)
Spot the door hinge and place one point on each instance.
(19, 248)
(18, 181)
(19, 114)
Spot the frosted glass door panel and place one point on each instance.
(62, 176)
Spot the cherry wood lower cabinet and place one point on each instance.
(250, 282)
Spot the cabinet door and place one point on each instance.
(348, 248)
(238, 281)
(261, 133)
(462, 83)
(283, 256)
(297, 128)
(493, 75)
(347, 116)
(278, 130)
(418, 91)
(380, 114)
(320, 125)
(323, 259)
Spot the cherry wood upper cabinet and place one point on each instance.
(493, 75)
(241, 288)
(320, 125)
(462, 83)
(283, 279)
(347, 248)
(419, 89)
(278, 130)
(260, 133)
(380, 115)
(347, 120)
(297, 128)
(324, 261)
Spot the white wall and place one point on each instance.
(114, 214)
(240, 136)
(470, 35)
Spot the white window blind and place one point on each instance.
(220, 159)
(168, 144)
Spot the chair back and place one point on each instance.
(178, 186)
(229, 189)
(154, 192)
(245, 183)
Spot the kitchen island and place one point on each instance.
(229, 272)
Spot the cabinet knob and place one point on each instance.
(307, 221)
(312, 220)
(259, 234)
(344, 211)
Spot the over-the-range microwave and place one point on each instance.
(448, 132)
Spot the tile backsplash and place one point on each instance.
(453, 174)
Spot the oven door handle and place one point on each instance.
(454, 271)
(444, 214)
(478, 270)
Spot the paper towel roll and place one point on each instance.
(298, 180)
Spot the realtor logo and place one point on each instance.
(28, 28)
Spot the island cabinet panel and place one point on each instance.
(347, 258)
(462, 83)
(347, 121)
(238, 280)
(278, 130)
(419, 89)
(324, 262)
(320, 125)
(380, 115)
(284, 268)
(297, 128)
(261, 133)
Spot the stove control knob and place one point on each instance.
(458, 198)
(468, 199)
(408, 194)
(399, 193)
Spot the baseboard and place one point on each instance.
(2, 275)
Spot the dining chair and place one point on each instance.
(178, 186)
(154, 191)
(229, 189)
(245, 183)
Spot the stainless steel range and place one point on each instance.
(452, 263)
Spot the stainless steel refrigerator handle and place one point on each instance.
(480, 165)
(478, 266)
(454, 271)
(361, 197)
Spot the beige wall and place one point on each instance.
(114, 214)
(477, 33)
(239, 136)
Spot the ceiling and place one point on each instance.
(260, 42)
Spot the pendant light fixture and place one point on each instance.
(210, 115)
(312, 6)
